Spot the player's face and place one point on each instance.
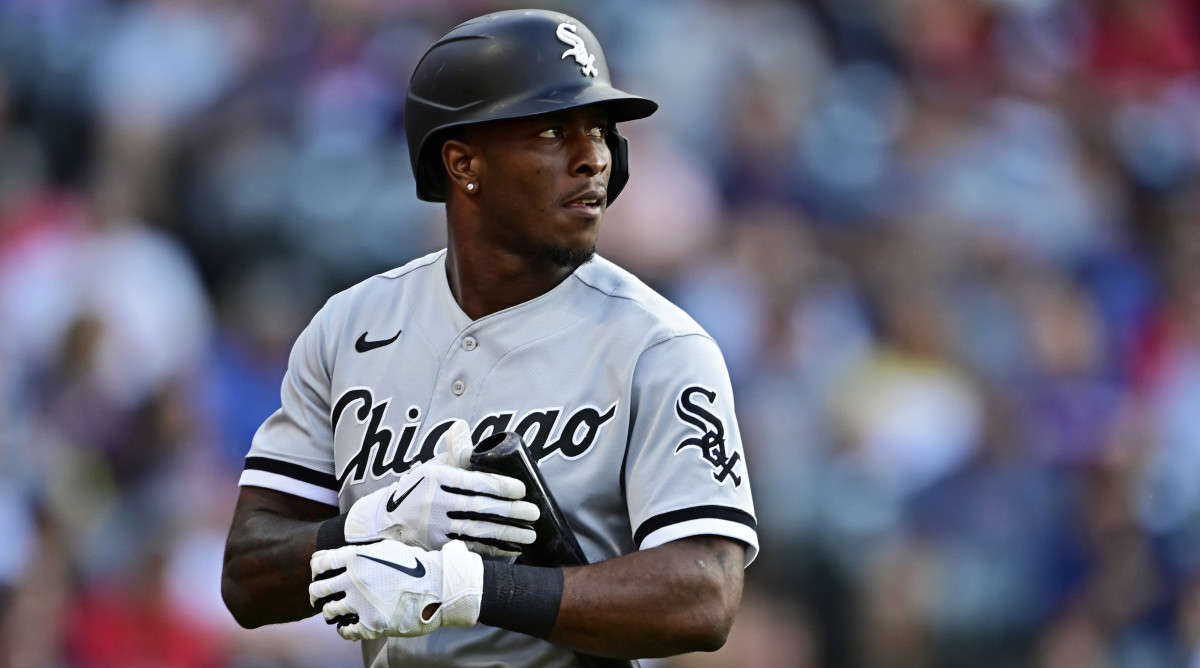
(543, 183)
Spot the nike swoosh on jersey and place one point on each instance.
(362, 345)
(417, 571)
(394, 503)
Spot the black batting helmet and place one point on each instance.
(508, 65)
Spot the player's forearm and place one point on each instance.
(676, 598)
(266, 573)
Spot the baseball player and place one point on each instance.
(356, 501)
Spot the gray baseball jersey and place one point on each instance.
(623, 399)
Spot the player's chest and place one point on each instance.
(390, 405)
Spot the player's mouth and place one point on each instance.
(589, 203)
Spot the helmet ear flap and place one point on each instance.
(431, 178)
(618, 147)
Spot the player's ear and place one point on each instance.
(462, 165)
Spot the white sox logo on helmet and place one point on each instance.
(711, 441)
(566, 35)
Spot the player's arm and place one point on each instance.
(280, 506)
(274, 535)
(266, 573)
(685, 478)
(678, 597)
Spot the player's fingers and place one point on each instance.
(321, 602)
(504, 486)
(352, 631)
(519, 535)
(524, 511)
(458, 444)
(336, 611)
(455, 446)
(320, 590)
(312, 563)
(329, 574)
(492, 552)
(489, 546)
(325, 588)
(480, 482)
(324, 561)
(516, 513)
(522, 535)
(507, 512)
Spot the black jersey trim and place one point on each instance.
(293, 471)
(697, 513)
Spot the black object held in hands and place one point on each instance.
(505, 454)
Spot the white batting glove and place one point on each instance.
(456, 445)
(438, 501)
(392, 589)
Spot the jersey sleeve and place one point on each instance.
(292, 451)
(685, 470)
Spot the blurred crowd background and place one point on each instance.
(950, 249)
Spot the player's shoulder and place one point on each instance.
(628, 293)
(410, 275)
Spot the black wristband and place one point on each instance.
(332, 533)
(521, 598)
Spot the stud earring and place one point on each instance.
(470, 186)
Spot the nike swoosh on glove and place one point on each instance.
(438, 501)
(392, 589)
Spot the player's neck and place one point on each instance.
(486, 280)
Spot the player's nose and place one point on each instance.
(589, 156)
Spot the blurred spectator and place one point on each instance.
(128, 622)
(680, 200)
(261, 314)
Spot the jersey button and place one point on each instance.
(469, 343)
(458, 388)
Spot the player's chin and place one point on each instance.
(569, 256)
(574, 236)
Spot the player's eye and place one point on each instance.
(597, 131)
(551, 133)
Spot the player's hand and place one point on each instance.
(438, 501)
(392, 589)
